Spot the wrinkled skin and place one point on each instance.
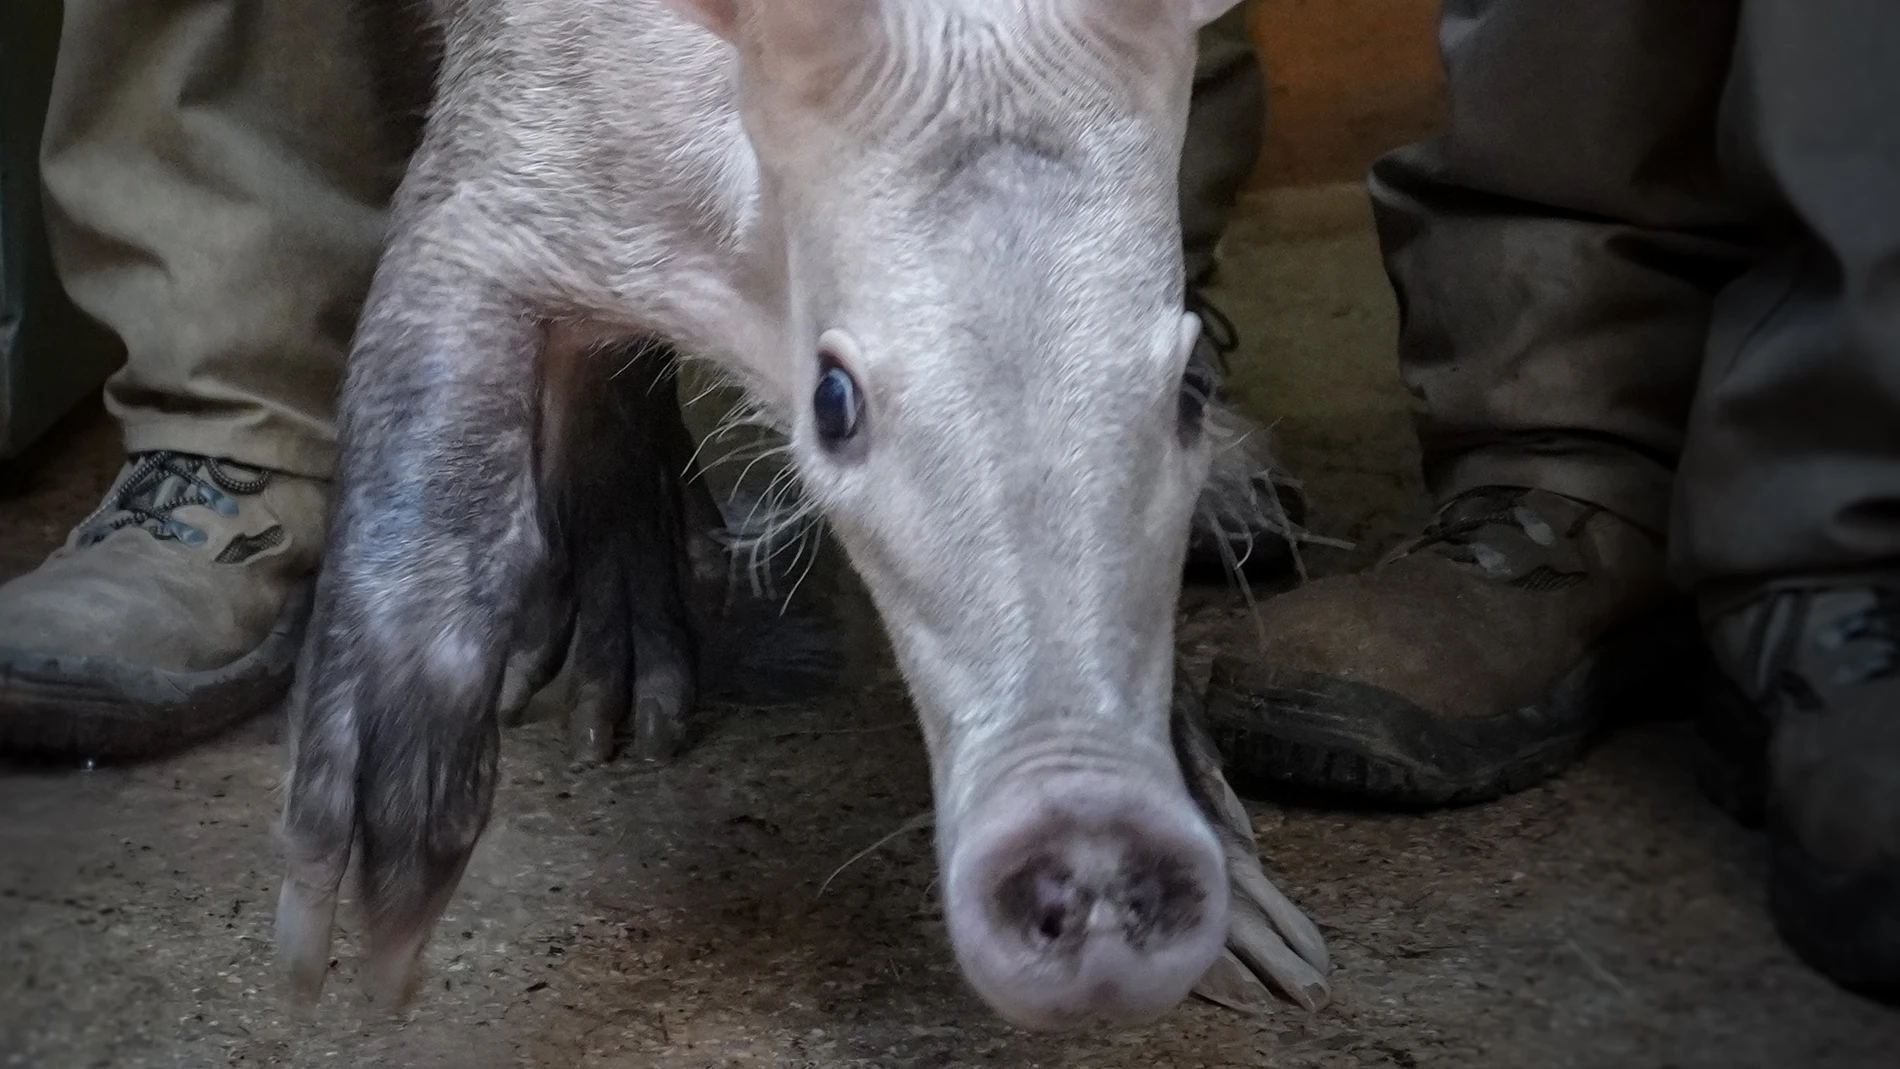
(966, 206)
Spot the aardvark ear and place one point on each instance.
(719, 16)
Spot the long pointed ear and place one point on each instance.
(1203, 12)
(805, 49)
(1143, 16)
(719, 16)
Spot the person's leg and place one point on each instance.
(1787, 512)
(215, 177)
(1251, 515)
(1554, 255)
(1226, 127)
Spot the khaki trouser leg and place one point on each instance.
(1226, 123)
(1557, 253)
(215, 185)
(1792, 463)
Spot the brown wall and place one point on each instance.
(1350, 78)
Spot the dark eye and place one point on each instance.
(836, 406)
(1197, 389)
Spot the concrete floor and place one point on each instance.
(619, 918)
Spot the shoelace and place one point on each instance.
(1217, 331)
(1876, 630)
(137, 501)
(1769, 661)
(1457, 528)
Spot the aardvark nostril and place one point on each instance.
(1043, 902)
(1103, 890)
(1085, 897)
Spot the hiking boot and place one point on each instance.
(1252, 510)
(1814, 669)
(172, 612)
(1475, 661)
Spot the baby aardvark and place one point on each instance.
(938, 242)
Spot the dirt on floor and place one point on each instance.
(705, 914)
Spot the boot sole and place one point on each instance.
(1845, 924)
(100, 708)
(1337, 738)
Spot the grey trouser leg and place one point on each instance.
(1662, 235)
(1557, 253)
(215, 186)
(1226, 124)
(1792, 463)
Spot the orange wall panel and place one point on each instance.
(1350, 79)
